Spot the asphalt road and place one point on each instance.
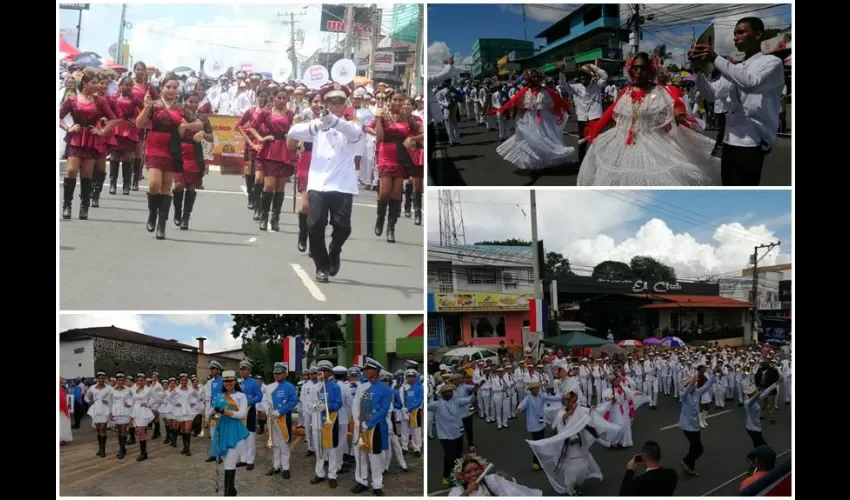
(168, 473)
(110, 262)
(722, 467)
(476, 163)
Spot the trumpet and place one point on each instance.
(323, 398)
(269, 424)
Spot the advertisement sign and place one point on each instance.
(384, 61)
(74, 6)
(482, 301)
(333, 19)
(228, 147)
(785, 294)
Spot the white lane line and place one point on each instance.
(710, 416)
(244, 190)
(308, 282)
(738, 477)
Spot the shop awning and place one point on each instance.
(693, 301)
(573, 340)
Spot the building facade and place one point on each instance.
(478, 294)
(486, 53)
(773, 295)
(406, 22)
(388, 338)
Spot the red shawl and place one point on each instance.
(619, 390)
(63, 402)
(559, 104)
(593, 131)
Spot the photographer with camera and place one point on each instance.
(657, 481)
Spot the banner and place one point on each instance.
(483, 301)
(384, 61)
(228, 149)
(333, 19)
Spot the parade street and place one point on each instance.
(224, 262)
(476, 163)
(168, 473)
(722, 467)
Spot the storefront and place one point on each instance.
(481, 319)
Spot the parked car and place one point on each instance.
(473, 354)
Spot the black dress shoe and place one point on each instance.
(378, 493)
(286, 474)
(332, 483)
(241, 464)
(316, 480)
(210, 459)
(249, 467)
(321, 277)
(359, 488)
(334, 257)
(272, 471)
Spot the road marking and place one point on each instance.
(739, 476)
(252, 239)
(308, 282)
(244, 190)
(710, 416)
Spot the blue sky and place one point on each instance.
(699, 233)
(458, 26)
(171, 35)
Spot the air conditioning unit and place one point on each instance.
(508, 278)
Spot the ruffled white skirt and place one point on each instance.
(537, 146)
(142, 416)
(99, 413)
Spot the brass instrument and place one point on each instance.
(270, 443)
(364, 441)
(330, 417)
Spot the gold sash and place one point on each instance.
(327, 431)
(365, 441)
(284, 431)
(412, 418)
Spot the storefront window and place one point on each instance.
(483, 327)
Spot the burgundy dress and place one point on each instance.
(302, 170)
(157, 152)
(389, 149)
(126, 134)
(277, 159)
(418, 155)
(191, 174)
(84, 144)
(139, 92)
(245, 121)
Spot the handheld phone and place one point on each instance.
(638, 459)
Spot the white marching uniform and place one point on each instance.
(100, 402)
(122, 406)
(142, 415)
(309, 398)
(184, 402)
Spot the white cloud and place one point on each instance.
(221, 339)
(549, 13)
(589, 228)
(133, 322)
(439, 52)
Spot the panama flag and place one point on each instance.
(535, 315)
(363, 338)
(293, 354)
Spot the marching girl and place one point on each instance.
(277, 160)
(230, 433)
(254, 178)
(417, 155)
(185, 399)
(141, 91)
(126, 137)
(122, 407)
(721, 380)
(163, 156)
(302, 169)
(99, 399)
(166, 411)
(108, 138)
(157, 393)
(192, 151)
(85, 143)
(141, 415)
(391, 129)
(197, 420)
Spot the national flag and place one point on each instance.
(535, 315)
(363, 338)
(293, 354)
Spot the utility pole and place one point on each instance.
(754, 320)
(524, 27)
(538, 285)
(636, 28)
(376, 34)
(79, 27)
(292, 56)
(419, 51)
(119, 50)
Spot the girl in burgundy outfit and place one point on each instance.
(85, 142)
(254, 179)
(303, 166)
(192, 151)
(414, 147)
(99, 174)
(277, 160)
(391, 130)
(163, 153)
(141, 89)
(126, 138)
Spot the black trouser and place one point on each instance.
(438, 140)
(537, 436)
(741, 166)
(721, 129)
(324, 205)
(694, 449)
(582, 148)
(79, 411)
(467, 430)
(757, 437)
(452, 450)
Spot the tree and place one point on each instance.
(651, 270)
(672, 68)
(512, 242)
(612, 270)
(557, 265)
(322, 329)
(661, 52)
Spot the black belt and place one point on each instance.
(279, 136)
(308, 146)
(164, 130)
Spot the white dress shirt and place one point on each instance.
(435, 113)
(588, 99)
(332, 161)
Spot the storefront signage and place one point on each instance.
(658, 287)
(482, 301)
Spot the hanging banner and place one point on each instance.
(384, 61)
(228, 147)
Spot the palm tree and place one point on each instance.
(661, 52)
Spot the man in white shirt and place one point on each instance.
(333, 182)
(438, 136)
(754, 92)
(588, 96)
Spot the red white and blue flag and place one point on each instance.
(363, 338)
(293, 354)
(535, 315)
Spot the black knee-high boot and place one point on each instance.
(126, 177)
(85, 198)
(394, 212)
(156, 432)
(101, 446)
(122, 447)
(249, 188)
(177, 196)
(188, 205)
(408, 198)
(143, 451)
(168, 432)
(174, 437)
(137, 173)
(132, 432)
(417, 207)
(69, 186)
(187, 442)
(277, 205)
(382, 215)
(258, 203)
(153, 210)
(183, 436)
(302, 232)
(113, 176)
(264, 214)
(230, 483)
(162, 216)
(97, 186)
